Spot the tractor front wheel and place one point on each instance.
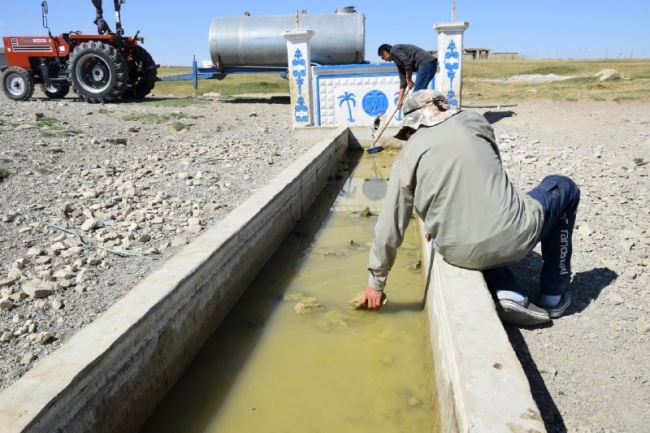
(18, 84)
(55, 91)
(98, 72)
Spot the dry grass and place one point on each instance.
(483, 81)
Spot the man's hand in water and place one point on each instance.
(372, 298)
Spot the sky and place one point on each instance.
(175, 32)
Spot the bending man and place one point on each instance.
(450, 173)
(409, 59)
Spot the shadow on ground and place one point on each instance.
(257, 99)
(585, 288)
(281, 99)
(494, 116)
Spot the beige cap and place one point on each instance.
(437, 110)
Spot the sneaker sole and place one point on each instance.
(515, 314)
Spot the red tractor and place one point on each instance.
(99, 68)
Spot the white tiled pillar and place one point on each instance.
(300, 83)
(450, 60)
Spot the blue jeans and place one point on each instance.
(559, 197)
(425, 75)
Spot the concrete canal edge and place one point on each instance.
(111, 375)
(480, 383)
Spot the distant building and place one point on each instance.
(477, 53)
(484, 53)
(487, 53)
(505, 56)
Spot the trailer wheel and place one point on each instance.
(143, 73)
(98, 72)
(18, 84)
(55, 91)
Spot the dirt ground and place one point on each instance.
(97, 196)
(589, 369)
(144, 185)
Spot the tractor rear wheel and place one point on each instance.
(55, 91)
(18, 84)
(98, 72)
(143, 73)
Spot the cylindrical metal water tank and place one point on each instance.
(339, 38)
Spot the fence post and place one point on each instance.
(300, 83)
(450, 60)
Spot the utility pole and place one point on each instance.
(453, 12)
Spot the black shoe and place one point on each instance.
(558, 311)
(521, 313)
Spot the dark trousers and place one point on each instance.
(425, 74)
(559, 197)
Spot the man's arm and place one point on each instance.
(393, 220)
(405, 70)
(403, 83)
(400, 98)
(404, 60)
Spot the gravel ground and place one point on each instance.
(95, 201)
(98, 196)
(589, 369)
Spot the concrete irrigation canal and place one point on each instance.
(113, 374)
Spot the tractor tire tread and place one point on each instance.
(116, 64)
(60, 93)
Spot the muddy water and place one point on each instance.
(268, 369)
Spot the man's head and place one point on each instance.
(423, 108)
(384, 52)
